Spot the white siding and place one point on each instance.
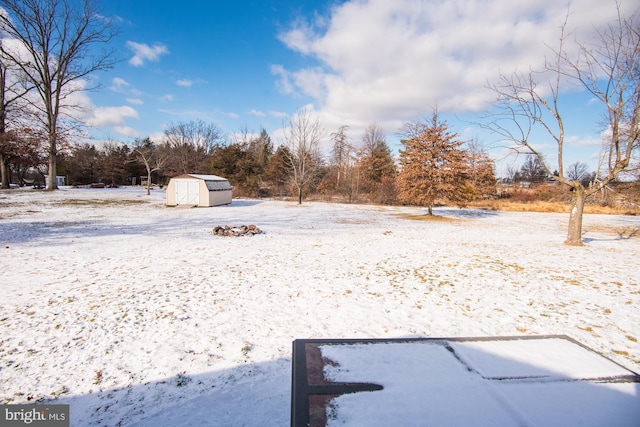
(187, 192)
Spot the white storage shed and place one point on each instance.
(198, 190)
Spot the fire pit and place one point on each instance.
(236, 231)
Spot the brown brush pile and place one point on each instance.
(235, 231)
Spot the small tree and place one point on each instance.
(341, 174)
(578, 171)
(533, 171)
(376, 166)
(340, 153)
(152, 158)
(276, 171)
(302, 136)
(433, 164)
(609, 70)
(481, 172)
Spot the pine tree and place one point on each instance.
(376, 165)
(433, 166)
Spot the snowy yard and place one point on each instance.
(134, 313)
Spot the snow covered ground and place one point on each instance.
(134, 313)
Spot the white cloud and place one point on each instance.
(184, 83)
(111, 116)
(584, 141)
(126, 131)
(157, 136)
(257, 113)
(119, 85)
(230, 114)
(284, 82)
(278, 114)
(379, 60)
(135, 101)
(142, 52)
(166, 98)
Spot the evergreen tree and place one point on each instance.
(376, 165)
(83, 164)
(276, 173)
(113, 168)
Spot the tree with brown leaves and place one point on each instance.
(433, 164)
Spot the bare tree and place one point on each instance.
(152, 158)
(339, 152)
(577, 171)
(60, 39)
(609, 69)
(342, 172)
(191, 144)
(512, 174)
(533, 171)
(302, 136)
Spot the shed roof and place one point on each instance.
(213, 182)
(204, 177)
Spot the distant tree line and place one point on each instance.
(434, 163)
(532, 173)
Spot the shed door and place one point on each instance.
(187, 192)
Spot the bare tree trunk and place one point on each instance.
(53, 153)
(299, 195)
(574, 236)
(148, 181)
(4, 170)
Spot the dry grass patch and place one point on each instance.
(509, 206)
(551, 207)
(100, 202)
(428, 218)
(355, 222)
(6, 203)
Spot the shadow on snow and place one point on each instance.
(258, 394)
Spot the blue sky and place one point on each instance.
(250, 63)
(197, 60)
